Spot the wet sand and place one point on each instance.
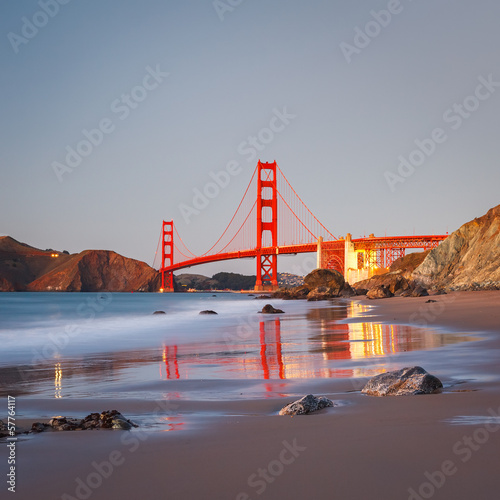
(364, 448)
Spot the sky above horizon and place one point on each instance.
(114, 113)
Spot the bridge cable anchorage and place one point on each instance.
(306, 207)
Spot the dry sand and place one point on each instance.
(367, 448)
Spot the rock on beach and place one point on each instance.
(407, 381)
(305, 405)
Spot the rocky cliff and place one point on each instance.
(468, 259)
(399, 275)
(25, 268)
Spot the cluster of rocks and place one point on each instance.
(109, 419)
(383, 292)
(320, 284)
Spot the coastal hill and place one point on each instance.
(468, 259)
(230, 281)
(25, 268)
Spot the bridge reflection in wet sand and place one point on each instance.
(276, 351)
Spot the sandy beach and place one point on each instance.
(442, 446)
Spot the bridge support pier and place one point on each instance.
(167, 256)
(267, 226)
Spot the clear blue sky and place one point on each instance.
(360, 101)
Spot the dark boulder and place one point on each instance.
(379, 292)
(322, 293)
(38, 427)
(305, 405)
(300, 292)
(348, 291)
(407, 381)
(269, 309)
(420, 291)
(208, 311)
(63, 424)
(325, 278)
(159, 312)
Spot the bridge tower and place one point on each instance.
(167, 256)
(267, 222)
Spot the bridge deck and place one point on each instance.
(386, 242)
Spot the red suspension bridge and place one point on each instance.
(272, 220)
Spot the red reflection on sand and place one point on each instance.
(171, 362)
(270, 349)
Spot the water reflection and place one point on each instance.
(58, 381)
(270, 349)
(280, 349)
(323, 342)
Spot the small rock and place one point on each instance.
(429, 301)
(113, 419)
(348, 291)
(159, 312)
(38, 427)
(3, 429)
(208, 311)
(269, 309)
(407, 381)
(306, 405)
(62, 424)
(420, 291)
(379, 292)
(321, 293)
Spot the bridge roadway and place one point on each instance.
(371, 243)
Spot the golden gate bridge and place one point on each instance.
(271, 220)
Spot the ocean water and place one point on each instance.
(101, 344)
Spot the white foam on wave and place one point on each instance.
(53, 328)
